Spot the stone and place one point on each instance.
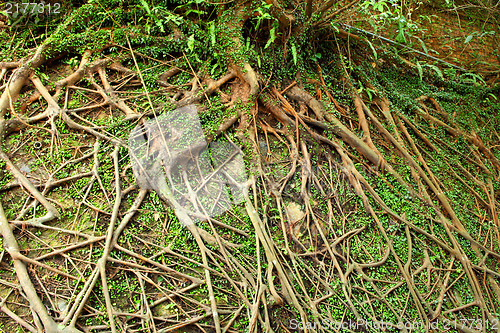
(294, 212)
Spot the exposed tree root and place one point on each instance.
(320, 253)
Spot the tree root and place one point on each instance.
(307, 267)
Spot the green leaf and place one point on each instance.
(369, 93)
(198, 12)
(159, 23)
(190, 43)
(146, 6)
(471, 78)
(469, 38)
(435, 69)
(212, 33)
(422, 44)
(373, 49)
(334, 26)
(272, 37)
(400, 38)
(294, 54)
(213, 69)
(420, 71)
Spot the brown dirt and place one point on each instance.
(444, 33)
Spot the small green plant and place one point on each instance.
(272, 34)
(478, 34)
(369, 92)
(73, 62)
(420, 68)
(190, 9)
(262, 13)
(471, 78)
(315, 57)
(490, 99)
(158, 16)
(391, 12)
(294, 54)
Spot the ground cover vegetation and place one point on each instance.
(373, 170)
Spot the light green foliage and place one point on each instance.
(262, 14)
(391, 12)
(158, 15)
